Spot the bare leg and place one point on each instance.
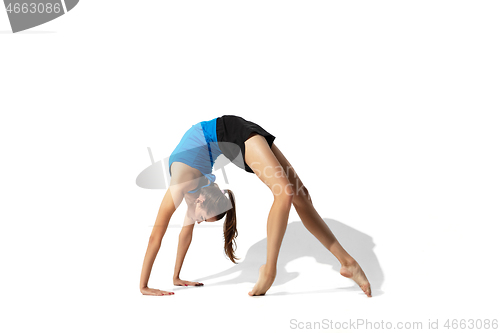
(261, 159)
(315, 224)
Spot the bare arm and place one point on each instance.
(185, 237)
(165, 212)
(172, 199)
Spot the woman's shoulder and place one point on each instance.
(185, 174)
(179, 169)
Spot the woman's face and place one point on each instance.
(199, 214)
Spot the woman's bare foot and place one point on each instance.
(354, 271)
(264, 282)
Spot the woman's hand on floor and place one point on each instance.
(179, 282)
(155, 292)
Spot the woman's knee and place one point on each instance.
(283, 192)
(301, 196)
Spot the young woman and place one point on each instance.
(251, 148)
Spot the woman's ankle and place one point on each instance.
(348, 261)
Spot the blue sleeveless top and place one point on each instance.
(199, 149)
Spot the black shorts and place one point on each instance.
(236, 130)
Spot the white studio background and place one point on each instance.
(388, 110)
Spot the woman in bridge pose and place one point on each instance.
(251, 148)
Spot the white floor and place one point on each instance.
(388, 112)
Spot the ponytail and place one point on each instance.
(230, 232)
(216, 202)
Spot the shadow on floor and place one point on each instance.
(298, 242)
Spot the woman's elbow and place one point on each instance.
(155, 239)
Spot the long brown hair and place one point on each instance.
(217, 201)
